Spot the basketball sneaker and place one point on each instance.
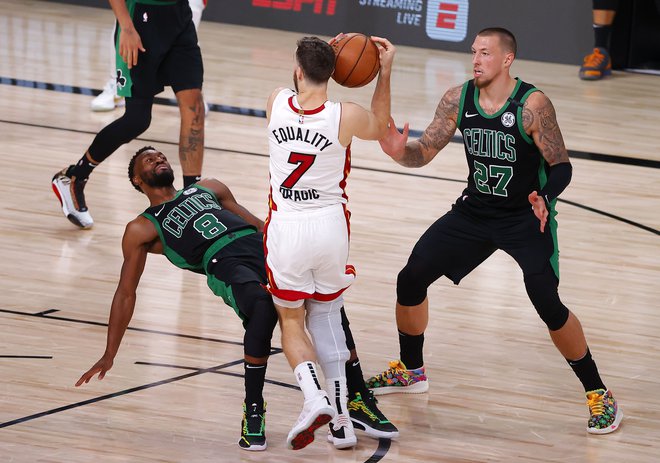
(366, 417)
(253, 428)
(605, 414)
(107, 100)
(315, 413)
(341, 433)
(596, 65)
(399, 379)
(69, 191)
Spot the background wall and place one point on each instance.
(558, 31)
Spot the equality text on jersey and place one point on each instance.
(285, 134)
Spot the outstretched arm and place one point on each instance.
(139, 235)
(226, 198)
(418, 153)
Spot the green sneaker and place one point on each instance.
(605, 414)
(399, 379)
(253, 428)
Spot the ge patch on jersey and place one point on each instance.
(508, 119)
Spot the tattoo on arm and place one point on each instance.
(549, 139)
(193, 140)
(438, 133)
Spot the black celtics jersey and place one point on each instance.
(505, 164)
(193, 227)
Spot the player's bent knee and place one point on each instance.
(410, 286)
(542, 291)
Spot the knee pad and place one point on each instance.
(325, 327)
(412, 282)
(542, 291)
(260, 318)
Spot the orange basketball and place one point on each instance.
(357, 61)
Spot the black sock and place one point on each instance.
(602, 35)
(355, 380)
(254, 384)
(587, 372)
(81, 169)
(410, 349)
(190, 179)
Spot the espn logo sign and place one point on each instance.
(447, 20)
(297, 5)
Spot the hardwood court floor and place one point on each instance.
(499, 390)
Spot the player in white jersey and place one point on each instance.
(307, 231)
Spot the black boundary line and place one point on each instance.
(369, 169)
(26, 356)
(226, 373)
(46, 312)
(118, 394)
(240, 111)
(383, 443)
(143, 330)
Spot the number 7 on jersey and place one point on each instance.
(304, 162)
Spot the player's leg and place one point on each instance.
(537, 255)
(317, 409)
(453, 246)
(256, 308)
(325, 327)
(598, 63)
(362, 405)
(108, 99)
(69, 183)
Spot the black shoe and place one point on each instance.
(366, 417)
(253, 428)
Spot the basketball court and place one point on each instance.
(499, 392)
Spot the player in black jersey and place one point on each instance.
(517, 159)
(203, 229)
(156, 47)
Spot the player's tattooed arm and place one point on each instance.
(438, 133)
(540, 120)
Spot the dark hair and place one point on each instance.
(316, 58)
(131, 165)
(507, 39)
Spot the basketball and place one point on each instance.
(357, 60)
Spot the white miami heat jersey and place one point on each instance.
(308, 165)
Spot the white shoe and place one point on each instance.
(341, 433)
(107, 100)
(71, 196)
(315, 413)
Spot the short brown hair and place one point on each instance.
(316, 58)
(507, 39)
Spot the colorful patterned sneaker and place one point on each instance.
(69, 191)
(315, 413)
(253, 428)
(596, 65)
(605, 414)
(366, 417)
(399, 379)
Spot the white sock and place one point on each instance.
(307, 379)
(338, 393)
